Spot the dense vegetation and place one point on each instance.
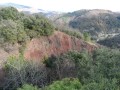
(83, 71)
(16, 27)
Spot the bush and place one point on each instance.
(65, 84)
(74, 84)
(86, 37)
(28, 87)
(37, 26)
(8, 13)
(12, 32)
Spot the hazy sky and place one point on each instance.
(69, 5)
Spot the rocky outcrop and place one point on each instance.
(55, 44)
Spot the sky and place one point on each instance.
(69, 5)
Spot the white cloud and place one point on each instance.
(69, 5)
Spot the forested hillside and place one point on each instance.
(36, 55)
(99, 23)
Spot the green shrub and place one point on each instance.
(37, 25)
(65, 84)
(12, 32)
(8, 13)
(28, 87)
(86, 37)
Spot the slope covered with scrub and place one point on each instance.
(99, 23)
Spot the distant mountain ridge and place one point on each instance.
(15, 5)
(23, 7)
(28, 9)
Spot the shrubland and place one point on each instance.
(76, 70)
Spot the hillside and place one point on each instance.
(18, 29)
(99, 23)
(54, 45)
(66, 60)
(46, 46)
(33, 36)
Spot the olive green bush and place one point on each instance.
(65, 84)
(28, 87)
